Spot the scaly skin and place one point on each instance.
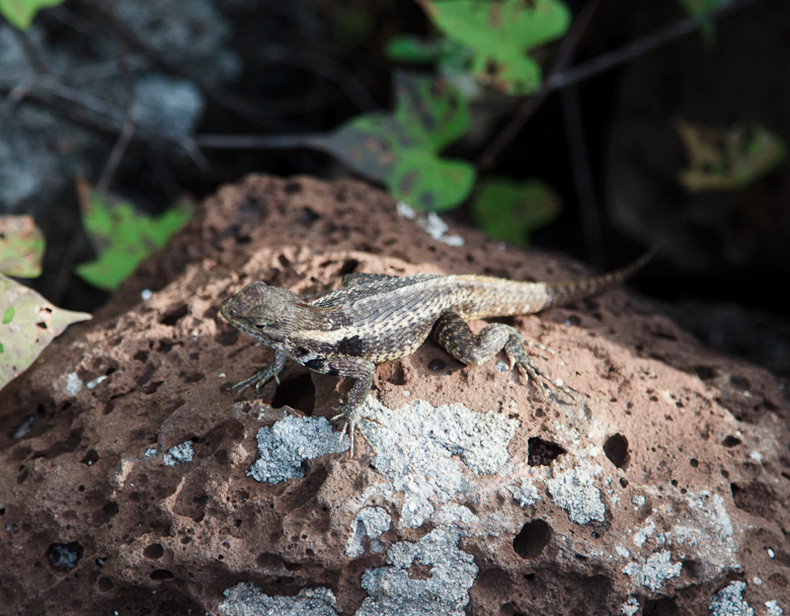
(376, 318)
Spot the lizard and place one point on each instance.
(375, 318)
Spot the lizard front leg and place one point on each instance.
(260, 378)
(452, 333)
(363, 371)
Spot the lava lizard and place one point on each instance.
(376, 318)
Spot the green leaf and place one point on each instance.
(21, 12)
(429, 183)
(21, 246)
(29, 324)
(500, 35)
(122, 236)
(728, 158)
(510, 210)
(401, 149)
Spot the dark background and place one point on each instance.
(113, 92)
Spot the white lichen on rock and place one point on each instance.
(179, 454)
(247, 599)
(427, 452)
(289, 442)
(574, 490)
(729, 601)
(656, 570)
(370, 523)
(394, 590)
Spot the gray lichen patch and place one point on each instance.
(443, 587)
(289, 442)
(246, 599)
(574, 490)
(656, 570)
(178, 454)
(429, 453)
(525, 493)
(370, 523)
(729, 601)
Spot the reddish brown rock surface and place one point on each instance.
(132, 481)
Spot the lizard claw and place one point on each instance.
(352, 418)
(530, 371)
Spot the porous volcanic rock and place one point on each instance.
(133, 481)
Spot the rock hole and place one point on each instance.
(110, 509)
(543, 453)
(174, 314)
(297, 392)
(623, 482)
(193, 377)
(739, 382)
(693, 463)
(141, 356)
(756, 498)
(435, 365)
(308, 216)
(152, 387)
(292, 187)
(349, 267)
(64, 556)
(105, 584)
(531, 540)
(266, 560)
(90, 458)
(616, 449)
(154, 551)
(162, 575)
(163, 345)
(67, 445)
(690, 568)
(705, 373)
(660, 607)
(731, 441)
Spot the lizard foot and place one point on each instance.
(352, 417)
(259, 379)
(549, 388)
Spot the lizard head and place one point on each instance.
(261, 310)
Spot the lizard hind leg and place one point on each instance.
(452, 333)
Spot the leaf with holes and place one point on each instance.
(20, 13)
(728, 158)
(501, 35)
(510, 210)
(28, 323)
(122, 236)
(21, 246)
(401, 149)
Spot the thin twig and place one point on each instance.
(116, 155)
(531, 104)
(564, 78)
(582, 175)
(643, 45)
(264, 142)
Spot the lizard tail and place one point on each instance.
(570, 291)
